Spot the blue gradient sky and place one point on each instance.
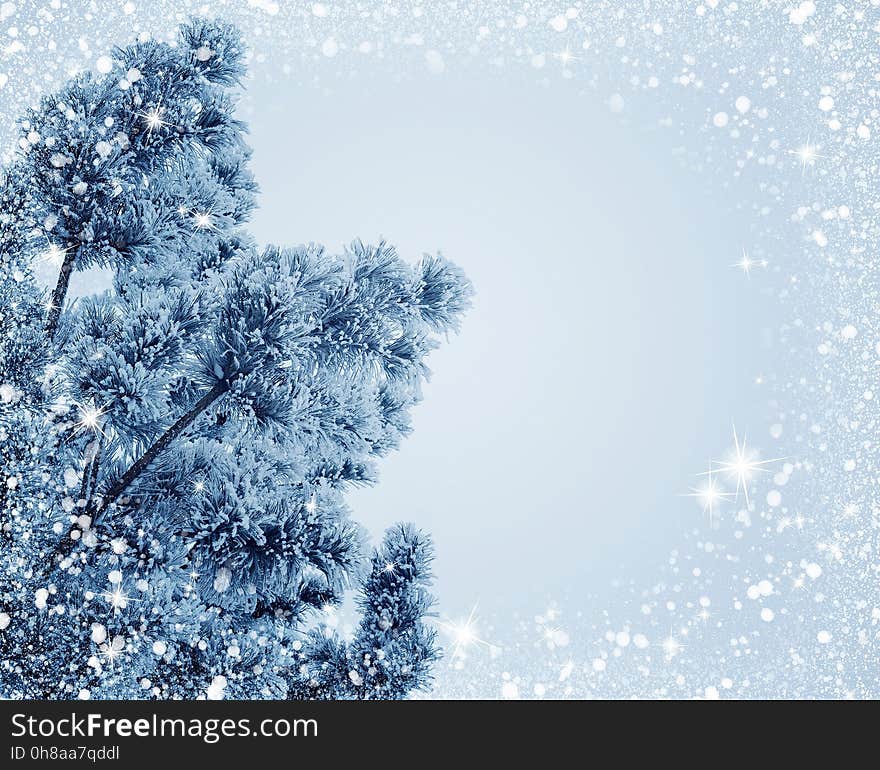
(610, 346)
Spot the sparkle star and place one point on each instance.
(54, 255)
(742, 465)
(566, 57)
(747, 264)
(463, 634)
(153, 119)
(202, 221)
(89, 418)
(117, 598)
(390, 567)
(109, 652)
(710, 494)
(671, 647)
(807, 154)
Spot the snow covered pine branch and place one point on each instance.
(175, 449)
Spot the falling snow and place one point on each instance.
(775, 593)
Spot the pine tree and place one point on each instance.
(176, 449)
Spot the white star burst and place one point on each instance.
(112, 649)
(807, 154)
(89, 418)
(671, 647)
(117, 599)
(710, 494)
(153, 119)
(54, 255)
(202, 221)
(742, 465)
(463, 634)
(747, 264)
(565, 56)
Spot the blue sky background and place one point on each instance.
(611, 345)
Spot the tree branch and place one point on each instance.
(90, 471)
(60, 293)
(141, 464)
(96, 461)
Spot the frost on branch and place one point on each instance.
(392, 650)
(176, 449)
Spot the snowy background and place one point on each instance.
(667, 210)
